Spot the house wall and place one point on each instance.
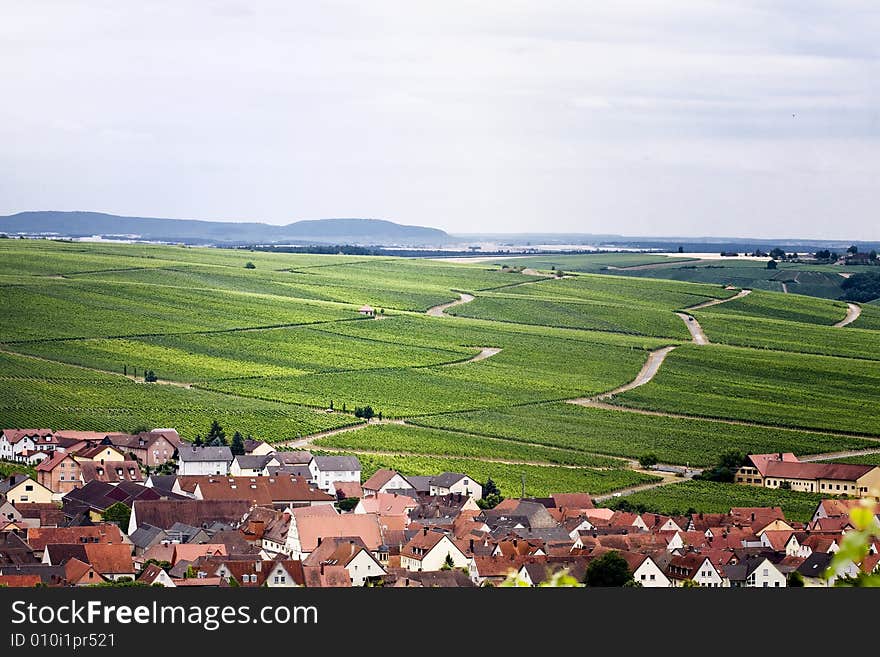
(203, 468)
(63, 478)
(280, 578)
(29, 491)
(466, 486)
(436, 558)
(649, 575)
(324, 480)
(362, 567)
(766, 576)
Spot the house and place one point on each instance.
(367, 311)
(251, 465)
(329, 469)
(21, 489)
(453, 482)
(352, 554)
(164, 514)
(755, 572)
(103, 534)
(285, 573)
(326, 576)
(101, 454)
(150, 448)
(388, 504)
(310, 525)
(80, 573)
(281, 491)
(646, 571)
(431, 550)
(112, 561)
(258, 447)
(696, 568)
(785, 470)
(155, 576)
(95, 497)
(60, 473)
(194, 460)
(15, 441)
(111, 472)
(384, 480)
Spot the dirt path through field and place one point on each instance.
(439, 311)
(831, 456)
(784, 287)
(305, 441)
(485, 352)
(853, 310)
(668, 478)
(696, 331)
(648, 371)
(682, 416)
(715, 302)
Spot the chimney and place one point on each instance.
(753, 516)
(425, 530)
(319, 540)
(471, 546)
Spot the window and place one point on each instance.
(653, 577)
(29, 487)
(642, 578)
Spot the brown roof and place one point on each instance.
(336, 551)
(109, 472)
(256, 490)
(110, 559)
(15, 435)
(149, 574)
(348, 489)
(389, 504)
(51, 463)
(76, 570)
(573, 501)
(841, 471)
(95, 450)
(105, 533)
(192, 551)
(164, 513)
(313, 525)
(760, 461)
(326, 576)
(20, 581)
(380, 478)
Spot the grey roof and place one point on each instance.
(447, 479)
(293, 458)
(337, 463)
(545, 534)
(815, 565)
(163, 484)
(420, 483)
(12, 481)
(193, 454)
(146, 535)
(253, 462)
(295, 470)
(48, 574)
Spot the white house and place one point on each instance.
(352, 554)
(763, 574)
(326, 470)
(428, 550)
(454, 482)
(383, 481)
(252, 465)
(203, 460)
(15, 441)
(282, 575)
(650, 575)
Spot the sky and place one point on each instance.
(633, 117)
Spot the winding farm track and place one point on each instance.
(830, 456)
(485, 352)
(697, 334)
(715, 302)
(784, 287)
(648, 371)
(853, 310)
(305, 441)
(668, 478)
(439, 311)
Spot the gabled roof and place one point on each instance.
(193, 454)
(19, 581)
(253, 461)
(380, 478)
(447, 479)
(47, 465)
(573, 501)
(314, 524)
(165, 513)
(104, 533)
(293, 458)
(337, 551)
(816, 564)
(337, 463)
(111, 471)
(110, 559)
(16, 435)
(840, 471)
(257, 489)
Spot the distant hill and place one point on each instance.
(318, 231)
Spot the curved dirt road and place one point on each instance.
(697, 334)
(439, 311)
(853, 310)
(648, 371)
(485, 352)
(715, 302)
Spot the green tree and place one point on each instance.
(771, 264)
(150, 376)
(117, 513)
(777, 253)
(490, 488)
(448, 563)
(197, 441)
(347, 504)
(852, 250)
(794, 580)
(490, 501)
(216, 434)
(237, 444)
(249, 265)
(610, 569)
(648, 460)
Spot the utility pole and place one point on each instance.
(523, 479)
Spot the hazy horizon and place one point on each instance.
(697, 119)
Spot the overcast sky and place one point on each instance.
(642, 117)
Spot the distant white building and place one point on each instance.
(454, 482)
(203, 460)
(326, 470)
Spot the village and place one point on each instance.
(114, 509)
